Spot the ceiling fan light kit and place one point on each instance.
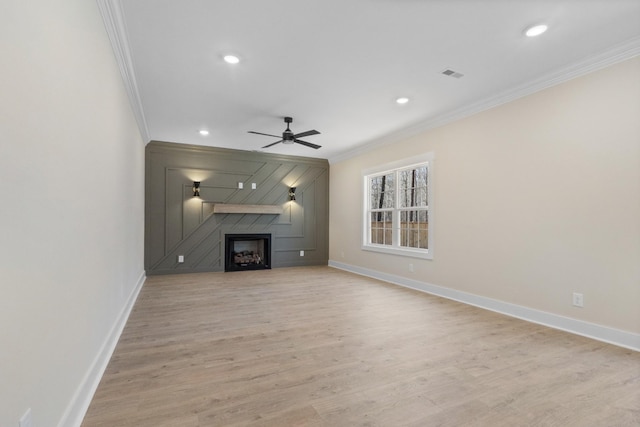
(288, 137)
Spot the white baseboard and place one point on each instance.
(79, 404)
(606, 334)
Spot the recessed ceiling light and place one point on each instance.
(204, 132)
(402, 100)
(535, 30)
(231, 59)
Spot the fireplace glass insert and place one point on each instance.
(247, 252)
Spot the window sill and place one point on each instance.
(406, 252)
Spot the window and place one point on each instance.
(396, 209)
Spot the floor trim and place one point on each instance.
(579, 327)
(79, 404)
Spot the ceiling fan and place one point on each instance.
(288, 137)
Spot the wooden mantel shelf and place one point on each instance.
(227, 208)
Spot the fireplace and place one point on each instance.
(247, 252)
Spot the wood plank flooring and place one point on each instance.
(316, 346)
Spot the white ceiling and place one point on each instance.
(338, 65)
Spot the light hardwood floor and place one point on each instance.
(316, 346)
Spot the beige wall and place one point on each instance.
(71, 205)
(534, 200)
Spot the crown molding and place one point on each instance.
(614, 55)
(111, 11)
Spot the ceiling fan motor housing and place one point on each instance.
(287, 135)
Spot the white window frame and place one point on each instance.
(394, 167)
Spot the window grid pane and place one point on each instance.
(381, 228)
(413, 187)
(414, 228)
(381, 194)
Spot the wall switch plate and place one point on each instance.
(253, 186)
(301, 253)
(578, 300)
(240, 186)
(180, 258)
(25, 420)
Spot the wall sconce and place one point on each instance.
(196, 188)
(292, 193)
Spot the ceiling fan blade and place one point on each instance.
(277, 142)
(265, 134)
(307, 133)
(308, 144)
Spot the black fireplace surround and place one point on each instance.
(247, 252)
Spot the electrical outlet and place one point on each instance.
(301, 253)
(180, 258)
(410, 268)
(253, 186)
(240, 186)
(25, 420)
(578, 300)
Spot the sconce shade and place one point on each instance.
(292, 193)
(196, 188)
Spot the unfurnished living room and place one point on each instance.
(320, 213)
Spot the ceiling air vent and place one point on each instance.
(451, 73)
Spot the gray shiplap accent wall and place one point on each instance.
(176, 223)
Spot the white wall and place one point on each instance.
(71, 206)
(534, 200)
